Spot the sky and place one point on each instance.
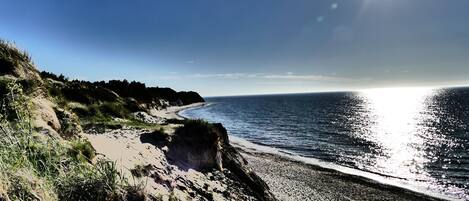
(221, 47)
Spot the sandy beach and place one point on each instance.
(173, 111)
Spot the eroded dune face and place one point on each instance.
(197, 146)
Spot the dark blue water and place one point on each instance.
(418, 136)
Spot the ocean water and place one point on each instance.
(417, 137)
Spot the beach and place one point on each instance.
(173, 111)
(291, 179)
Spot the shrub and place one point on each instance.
(114, 109)
(87, 111)
(83, 112)
(70, 125)
(30, 85)
(61, 77)
(196, 126)
(201, 131)
(84, 183)
(175, 121)
(82, 150)
(21, 189)
(132, 105)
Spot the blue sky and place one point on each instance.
(221, 47)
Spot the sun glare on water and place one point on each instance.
(395, 115)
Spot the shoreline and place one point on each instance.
(172, 112)
(277, 163)
(189, 107)
(289, 179)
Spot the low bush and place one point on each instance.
(194, 127)
(99, 182)
(70, 124)
(114, 109)
(82, 150)
(175, 121)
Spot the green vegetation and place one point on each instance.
(196, 130)
(194, 126)
(34, 166)
(10, 57)
(116, 90)
(38, 164)
(176, 121)
(82, 150)
(93, 105)
(60, 77)
(145, 94)
(70, 124)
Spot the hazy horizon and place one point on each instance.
(248, 47)
(345, 90)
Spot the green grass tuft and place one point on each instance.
(82, 150)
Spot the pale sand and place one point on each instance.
(172, 112)
(126, 148)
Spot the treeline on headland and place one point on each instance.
(133, 89)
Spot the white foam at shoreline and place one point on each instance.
(250, 147)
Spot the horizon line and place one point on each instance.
(335, 91)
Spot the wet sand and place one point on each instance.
(292, 180)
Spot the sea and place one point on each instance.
(416, 138)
